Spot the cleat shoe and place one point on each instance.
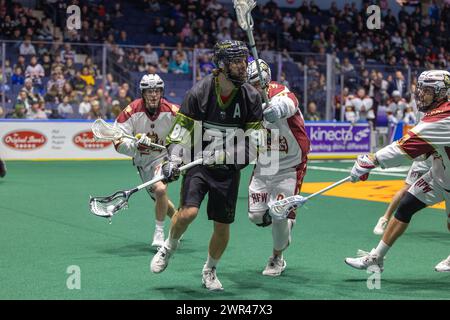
(210, 281)
(366, 261)
(443, 266)
(160, 260)
(158, 239)
(381, 226)
(275, 266)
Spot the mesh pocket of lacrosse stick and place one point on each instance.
(105, 131)
(106, 207)
(280, 209)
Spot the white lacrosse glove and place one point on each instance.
(277, 109)
(170, 168)
(143, 144)
(362, 167)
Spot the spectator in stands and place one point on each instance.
(17, 78)
(56, 79)
(69, 69)
(398, 84)
(27, 48)
(311, 113)
(67, 53)
(78, 84)
(87, 77)
(46, 31)
(205, 66)
(8, 70)
(178, 65)
(150, 56)
(19, 112)
(36, 112)
(163, 65)
(65, 109)
(362, 105)
(46, 64)
(31, 91)
(346, 66)
(92, 67)
(157, 27)
(57, 65)
(21, 64)
(115, 109)
(95, 112)
(74, 96)
(111, 86)
(123, 99)
(397, 105)
(22, 99)
(85, 107)
(35, 71)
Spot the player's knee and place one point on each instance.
(160, 190)
(221, 229)
(187, 214)
(407, 207)
(260, 218)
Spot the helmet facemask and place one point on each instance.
(152, 99)
(429, 97)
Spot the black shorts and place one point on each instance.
(222, 186)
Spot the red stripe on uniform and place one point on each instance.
(297, 126)
(415, 146)
(441, 112)
(134, 107)
(301, 172)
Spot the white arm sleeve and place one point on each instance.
(392, 156)
(126, 146)
(285, 105)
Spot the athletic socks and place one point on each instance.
(210, 262)
(159, 225)
(381, 249)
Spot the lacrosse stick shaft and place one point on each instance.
(329, 187)
(161, 177)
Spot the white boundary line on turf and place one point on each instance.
(348, 171)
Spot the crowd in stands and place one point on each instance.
(53, 84)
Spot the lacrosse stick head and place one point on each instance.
(281, 209)
(105, 131)
(106, 207)
(243, 9)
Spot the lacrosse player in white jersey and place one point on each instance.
(149, 119)
(430, 137)
(417, 170)
(282, 114)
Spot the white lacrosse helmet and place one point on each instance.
(252, 71)
(436, 82)
(151, 81)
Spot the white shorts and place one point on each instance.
(149, 171)
(417, 170)
(429, 192)
(264, 189)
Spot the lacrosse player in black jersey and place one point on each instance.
(222, 102)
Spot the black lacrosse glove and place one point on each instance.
(170, 169)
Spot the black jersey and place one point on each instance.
(203, 108)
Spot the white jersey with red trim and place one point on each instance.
(429, 137)
(135, 119)
(294, 144)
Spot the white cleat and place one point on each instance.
(160, 260)
(275, 266)
(366, 261)
(210, 281)
(443, 266)
(381, 226)
(158, 239)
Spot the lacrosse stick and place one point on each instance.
(280, 209)
(108, 206)
(243, 10)
(105, 131)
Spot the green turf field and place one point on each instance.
(47, 227)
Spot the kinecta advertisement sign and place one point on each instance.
(338, 139)
(35, 139)
(58, 139)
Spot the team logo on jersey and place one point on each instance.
(24, 140)
(155, 139)
(282, 143)
(86, 140)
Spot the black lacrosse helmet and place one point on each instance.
(226, 51)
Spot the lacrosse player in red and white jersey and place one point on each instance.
(149, 119)
(283, 116)
(430, 137)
